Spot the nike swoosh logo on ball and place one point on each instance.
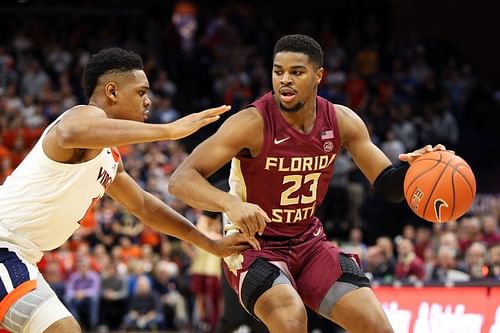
(438, 203)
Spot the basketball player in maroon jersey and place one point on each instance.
(282, 149)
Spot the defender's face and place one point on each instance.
(132, 96)
(295, 80)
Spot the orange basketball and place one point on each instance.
(439, 186)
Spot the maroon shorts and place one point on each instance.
(310, 261)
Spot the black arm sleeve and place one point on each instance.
(390, 182)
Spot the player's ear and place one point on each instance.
(319, 75)
(111, 90)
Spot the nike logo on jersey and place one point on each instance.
(277, 142)
(438, 203)
(317, 232)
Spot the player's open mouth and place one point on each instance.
(287, 95)
(145, 114)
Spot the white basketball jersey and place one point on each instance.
(42, 201)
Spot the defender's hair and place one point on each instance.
(112, 60)
(301, 44)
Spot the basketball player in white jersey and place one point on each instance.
(71, 166)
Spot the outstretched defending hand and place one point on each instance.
(410, 157)
(193, 122)
(229, 245)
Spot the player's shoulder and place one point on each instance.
(349, 122)
(249, 116)
(343, 110)
(250, 111)
(346, 114)
(86, 110)
(242, 127)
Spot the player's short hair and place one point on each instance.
(111, 60)
(301, 44)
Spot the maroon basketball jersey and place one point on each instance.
(290, 176)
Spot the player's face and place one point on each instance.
(133, 96)
(295, 80)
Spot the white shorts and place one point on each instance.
(35, 311)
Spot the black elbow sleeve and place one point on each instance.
(390, 182)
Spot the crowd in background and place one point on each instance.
(116, 272)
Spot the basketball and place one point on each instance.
(439, 186)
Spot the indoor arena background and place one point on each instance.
(417, 72)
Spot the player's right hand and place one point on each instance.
(249, 218)
(193, 122)
(412, 156)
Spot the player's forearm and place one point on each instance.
(192, 188)
(100, 133)
(164, 219)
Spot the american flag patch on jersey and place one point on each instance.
(325, 135)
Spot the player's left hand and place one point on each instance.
(410, 157)
(193, 122)
(229, 245)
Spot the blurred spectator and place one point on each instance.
(143, 312)
(54, 276)
(127, 226)
(151, 237)
(58, 58)
(8, 76)
(136, 269)
(105, 216)
(422, 241)
(450, 240)
(34, 79)
(356, 193)
(173, 303)
(113, 297)
(447, 268)
(334, 208)
(355, 244)
(404, 128)
(409, 232)
(32, 112)
(494, 254)
(469, 232)
(66, 258)
(101, 257)
(491, 233)
(367, 61)
(128, 250)
(387, 247)
(409, 267)
(164, 86)
(392, 147)
(82, 293)
(378, 266)
(476, 262)
(205, 271)
(356, 92)
(164, 111)
(446, 128)
(430, 261)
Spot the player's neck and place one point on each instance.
(302, 120)
(101, 104)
